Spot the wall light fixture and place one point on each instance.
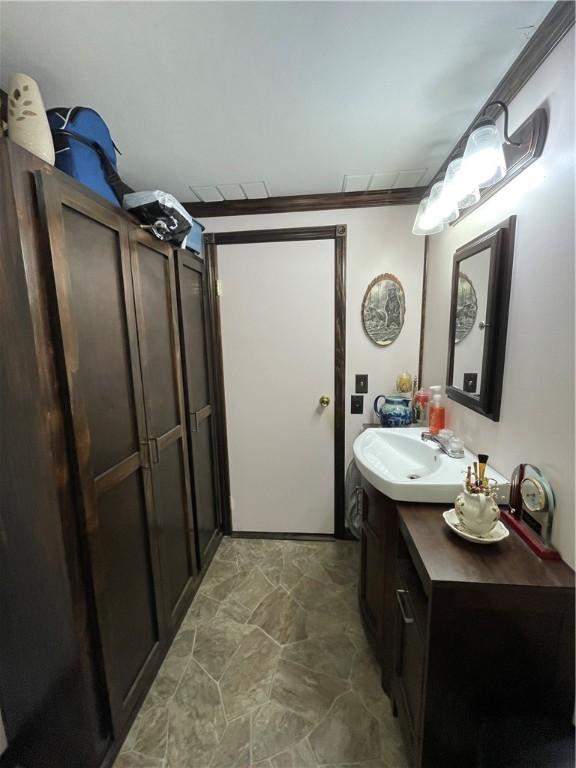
(479, 168)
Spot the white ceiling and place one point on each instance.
(291, 97)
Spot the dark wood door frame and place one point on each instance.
(211, 243)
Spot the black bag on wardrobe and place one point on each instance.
(162, 214)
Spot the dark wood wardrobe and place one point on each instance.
(109, 511)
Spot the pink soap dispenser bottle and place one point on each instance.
(437, 412)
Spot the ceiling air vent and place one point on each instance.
(382, 180)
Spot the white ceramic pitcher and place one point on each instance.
(477, 512)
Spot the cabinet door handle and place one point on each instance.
(154, 450)
(362, 502)
(145, 454)
(400, 598)
(359, 506)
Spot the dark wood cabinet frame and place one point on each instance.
(500, 241)
(338, 235)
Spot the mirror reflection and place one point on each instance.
(470, 322)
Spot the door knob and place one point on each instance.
(324, 401)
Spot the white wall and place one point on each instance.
(379, 240)
(537, 416)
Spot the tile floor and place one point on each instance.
(270, 669)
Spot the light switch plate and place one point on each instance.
(362, 383)
(357, 404)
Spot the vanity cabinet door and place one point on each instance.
(409, 652)
(376, 591)
(371, 582)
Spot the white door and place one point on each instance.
(277, 317)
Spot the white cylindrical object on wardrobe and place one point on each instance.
(27, 121)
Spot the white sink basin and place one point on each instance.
(404, 467)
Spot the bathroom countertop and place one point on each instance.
(443, 558)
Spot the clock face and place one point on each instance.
(533, 495)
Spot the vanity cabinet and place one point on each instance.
(477, 632)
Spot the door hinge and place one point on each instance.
(231, 503)
(218, 287)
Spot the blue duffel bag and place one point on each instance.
(85, 150)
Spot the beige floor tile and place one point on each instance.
(318, 595)
(246, 681)
(304, 691)
(275, 729)
(332, 655)
(232, 611)
(252, 590)
(148, 734)
(216, 643)
(234, 748)
(202, 609)
(196, 720)
(299, 756)
(280, 616)
(291, 575)
(348, 733)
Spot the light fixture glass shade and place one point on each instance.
(423, 223)
(484, 162)
(458, 188)
(440, 207)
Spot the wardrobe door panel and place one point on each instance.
(204, 482)
(197, 397)
(152, 270)
(130, 591)
(157, 336)
(193, 322)
(97, 298)
(90, 259)
(169, 485)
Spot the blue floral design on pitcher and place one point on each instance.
(395, 412)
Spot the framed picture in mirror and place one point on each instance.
(480, 298)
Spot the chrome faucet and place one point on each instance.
(451, 447)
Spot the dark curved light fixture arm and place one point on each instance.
(505, 110)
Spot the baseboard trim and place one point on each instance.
(283, 536)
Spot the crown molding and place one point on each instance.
(555, 26)
(318, 202)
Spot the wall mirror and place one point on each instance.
(481, 279)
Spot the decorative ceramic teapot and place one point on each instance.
(395, 412)
(477, 512)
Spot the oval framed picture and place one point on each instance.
(466, 307)
(383, 309)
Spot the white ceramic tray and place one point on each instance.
(498, 533)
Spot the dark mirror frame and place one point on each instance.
(500, 242)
